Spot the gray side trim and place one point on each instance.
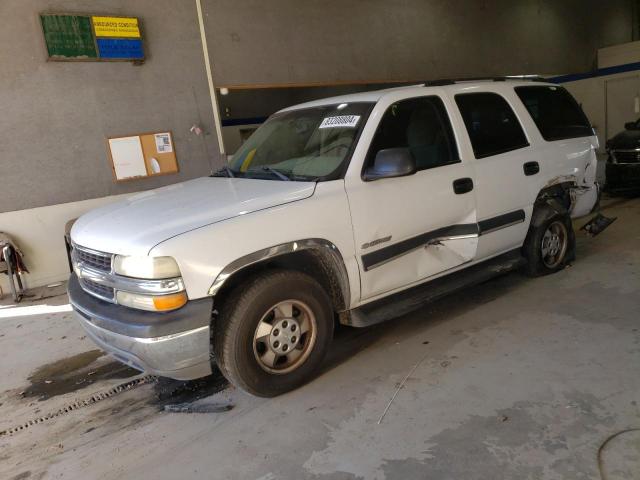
(321, 246)
(386, 254)
(501, 221)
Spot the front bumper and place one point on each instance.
(173, 344)
(622, 177)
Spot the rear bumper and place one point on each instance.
(622, 177)
(585, 200)
(173, 344)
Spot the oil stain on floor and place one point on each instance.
(74, 373)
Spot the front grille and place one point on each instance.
(96, 260)
(106, 293)
(627, 156)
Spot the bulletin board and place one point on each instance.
(98, 38)
(143, 155)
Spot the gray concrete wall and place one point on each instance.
(55, 116)
(292, 42)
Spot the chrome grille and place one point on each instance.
(90, 258)
(101, 291)
(626, 156)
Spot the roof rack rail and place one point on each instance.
(452, 81)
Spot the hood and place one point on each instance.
(135, 225)
(625, 139)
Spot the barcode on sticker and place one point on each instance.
(163, 143)
(340, 121)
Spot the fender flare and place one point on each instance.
(328, 252)
(545, 209)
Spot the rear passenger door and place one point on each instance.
(568, 143)
(504, 166)
(410, 228)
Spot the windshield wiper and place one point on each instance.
(225, 169)
(277, 173)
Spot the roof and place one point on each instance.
(372, 96)
(452, 85)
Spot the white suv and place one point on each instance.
(351, 209)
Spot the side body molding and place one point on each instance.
(324, 248)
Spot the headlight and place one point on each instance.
(160, 303)
(146, 267)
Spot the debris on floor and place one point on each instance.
(172, 393)
(597, 225)
(197, 408)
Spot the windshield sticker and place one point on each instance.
(341, 121)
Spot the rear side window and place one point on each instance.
(555, 112)
(493, 127)
(422, 126)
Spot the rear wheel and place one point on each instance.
(273, 332)
(550, 244)
(553, 247)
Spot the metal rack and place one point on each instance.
(7, 266)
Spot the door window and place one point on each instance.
(554, 111)
(421, 125)
(493, 127)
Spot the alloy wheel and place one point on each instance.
(285, 336)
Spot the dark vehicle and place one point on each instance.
(623, 164)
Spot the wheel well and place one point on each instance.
(309, 261)
(559, 194)
(550, 201)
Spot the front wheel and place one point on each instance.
(549, 245)
(273, 332)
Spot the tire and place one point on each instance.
(257, 342)
(550, 232)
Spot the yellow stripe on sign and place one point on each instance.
(116, 27)
(247, 160)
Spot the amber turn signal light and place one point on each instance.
(170, 302)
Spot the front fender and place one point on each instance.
(207, 256)
(324, 248)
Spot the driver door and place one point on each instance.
(410, 228)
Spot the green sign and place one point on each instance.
(68, 37)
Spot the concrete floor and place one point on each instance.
(516, 379)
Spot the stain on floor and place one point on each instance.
(72, 374)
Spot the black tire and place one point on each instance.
(235, 348)
(545, 218)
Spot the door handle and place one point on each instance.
(531, 168)
(462, 185)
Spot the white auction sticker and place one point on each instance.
(341, 121)
(163, 143)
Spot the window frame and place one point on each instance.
(527, 142)
(445, 123)
(571, 99)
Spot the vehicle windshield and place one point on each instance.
(310, 144)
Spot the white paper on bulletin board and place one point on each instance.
(128, 159)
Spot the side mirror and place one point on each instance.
(630, 126)
(390, 163)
